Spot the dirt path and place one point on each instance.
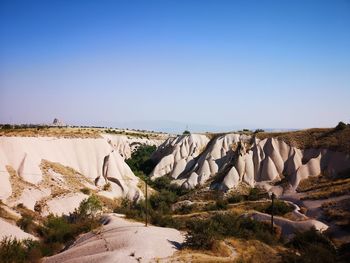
(313, 207)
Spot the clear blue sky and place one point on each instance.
(278, 64)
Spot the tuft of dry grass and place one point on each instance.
(109, 204)
(25, 212)
(17, 184)
(8, 216)
(231, 250)
(73, 179)
(221, 251)
(338, 212)
(256, 251)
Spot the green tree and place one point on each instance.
(140, 160)
(90, 207)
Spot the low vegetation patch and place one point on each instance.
(159, 209)
(107, 187)
(54, 232)
(136, 134)
(310, 246)
(252, 194)
(202, 233)
(85, 190)
(140, 161)
(280, 208)
(5, 214)
(13, 250)
(338, 212)
(325, 186)
(47, 131)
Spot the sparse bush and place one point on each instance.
(254, 194)
(159, 204)
(38, 207)
(20, 206)
(219, 204)
(185, 209)
(7, 127)
(85, 190)
(26, 223)
(107, 187)
(162, 201)
(202, 233)
(132, 209)
(13, 250)
(164, 182)
(186, 132)
(341, 126)
(140, 159)
(280, 208)
(56, 231)
(311, 245)
(258, 130)
(90, 207)
(311, 236)
(235, 198)
(161, 220)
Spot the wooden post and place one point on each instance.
(272, 211)
(146, 204)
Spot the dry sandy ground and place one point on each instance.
(120, 240)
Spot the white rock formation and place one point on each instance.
(179, 154)
(240, 158)
(95, 160)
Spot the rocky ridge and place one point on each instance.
(227, 160)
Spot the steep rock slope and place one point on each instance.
(49, 172)
(178, 155)
(233, 158)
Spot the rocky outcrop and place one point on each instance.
(178, 155)
(49, 172)
(230, 159)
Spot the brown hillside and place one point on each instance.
(330, 138)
